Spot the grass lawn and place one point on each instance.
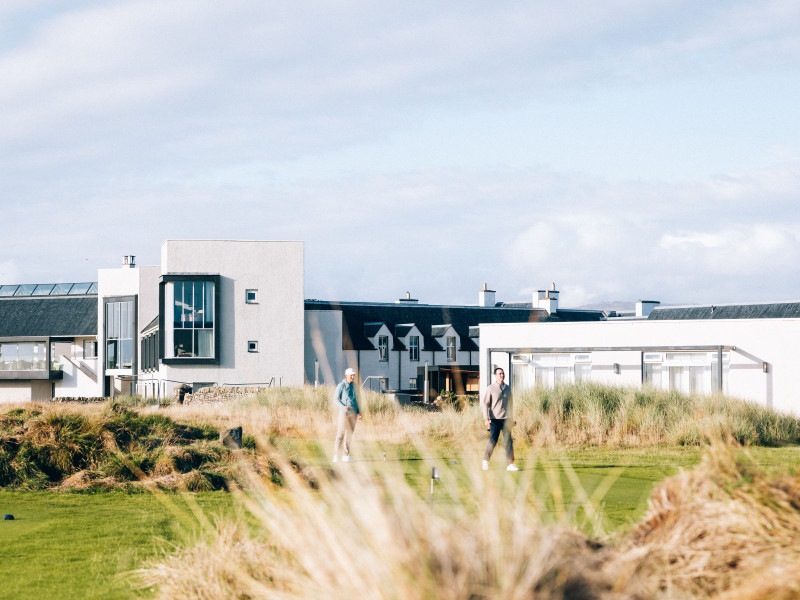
(71, 545)
(79, 545)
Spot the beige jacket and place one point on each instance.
(497, 403)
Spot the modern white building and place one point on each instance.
(214, 312)
(48, 341)
(746, 351)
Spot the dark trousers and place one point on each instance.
(495, 427)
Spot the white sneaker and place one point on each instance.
(485, 465)
(335, 459)
(512, 467)
(347, 459)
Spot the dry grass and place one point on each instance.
(726, 530)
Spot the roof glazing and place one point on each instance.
(49, 289)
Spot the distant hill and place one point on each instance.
(621, 306)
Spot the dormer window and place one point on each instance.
(451, 349)
(413, 348)
(383, 348)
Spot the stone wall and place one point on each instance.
(215, 395)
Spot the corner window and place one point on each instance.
(383, 347)
(413, 348)
(25, 356)
(120, 324)
(189, 317)
(251, 296)
(252, 346)
(451, 349)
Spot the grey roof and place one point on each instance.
(151, 325)
(62, 316)
(774, 310)
(439, 330)
(371, 329)
(355, 315)
(403, 329)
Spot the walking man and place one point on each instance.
(345, 398)
(497, 406)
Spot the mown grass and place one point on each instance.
(80, 546)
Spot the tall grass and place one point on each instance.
(569, 415)
(366, 533)
(103, 446)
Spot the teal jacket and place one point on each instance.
(345, 397)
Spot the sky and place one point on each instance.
(622, 150)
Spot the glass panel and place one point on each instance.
(676, 379)
(208, 314)
(522, 376)
(697, 380)
(8, 357)
(111, 354)
(126, 353)
(80, 288)
(197, 312)
(183, 343)
(124, 320)
(562, 375)
(8, 290)
(43, 289)
(583, 372)
(25, 290)
(92, 289)
(652, 374)
(177, 288)
(204, 343)
(542, 377)
(61, 289)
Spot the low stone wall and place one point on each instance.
(218, 395)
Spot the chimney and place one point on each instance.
(129, 261)
(407, 300)
(645, 307)
(547, 299)
(486, 296)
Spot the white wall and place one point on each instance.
(275, 269)
(756, 341)
(323, 343)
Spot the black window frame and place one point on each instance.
(162, 322)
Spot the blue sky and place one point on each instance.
(622, 149)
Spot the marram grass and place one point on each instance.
(366, 533)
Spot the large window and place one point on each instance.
(686, 372)
(23, 356)
(383, 347)
(120, 319)
(413, 348)
(192, 305)
(451, 349)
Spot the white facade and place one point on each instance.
(758, 355)
(229, 313)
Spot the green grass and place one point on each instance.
(84, 546)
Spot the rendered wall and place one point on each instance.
(323, 343)
(275, 269)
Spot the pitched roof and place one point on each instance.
(355, 315)
(774, 310)
(48, 316)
